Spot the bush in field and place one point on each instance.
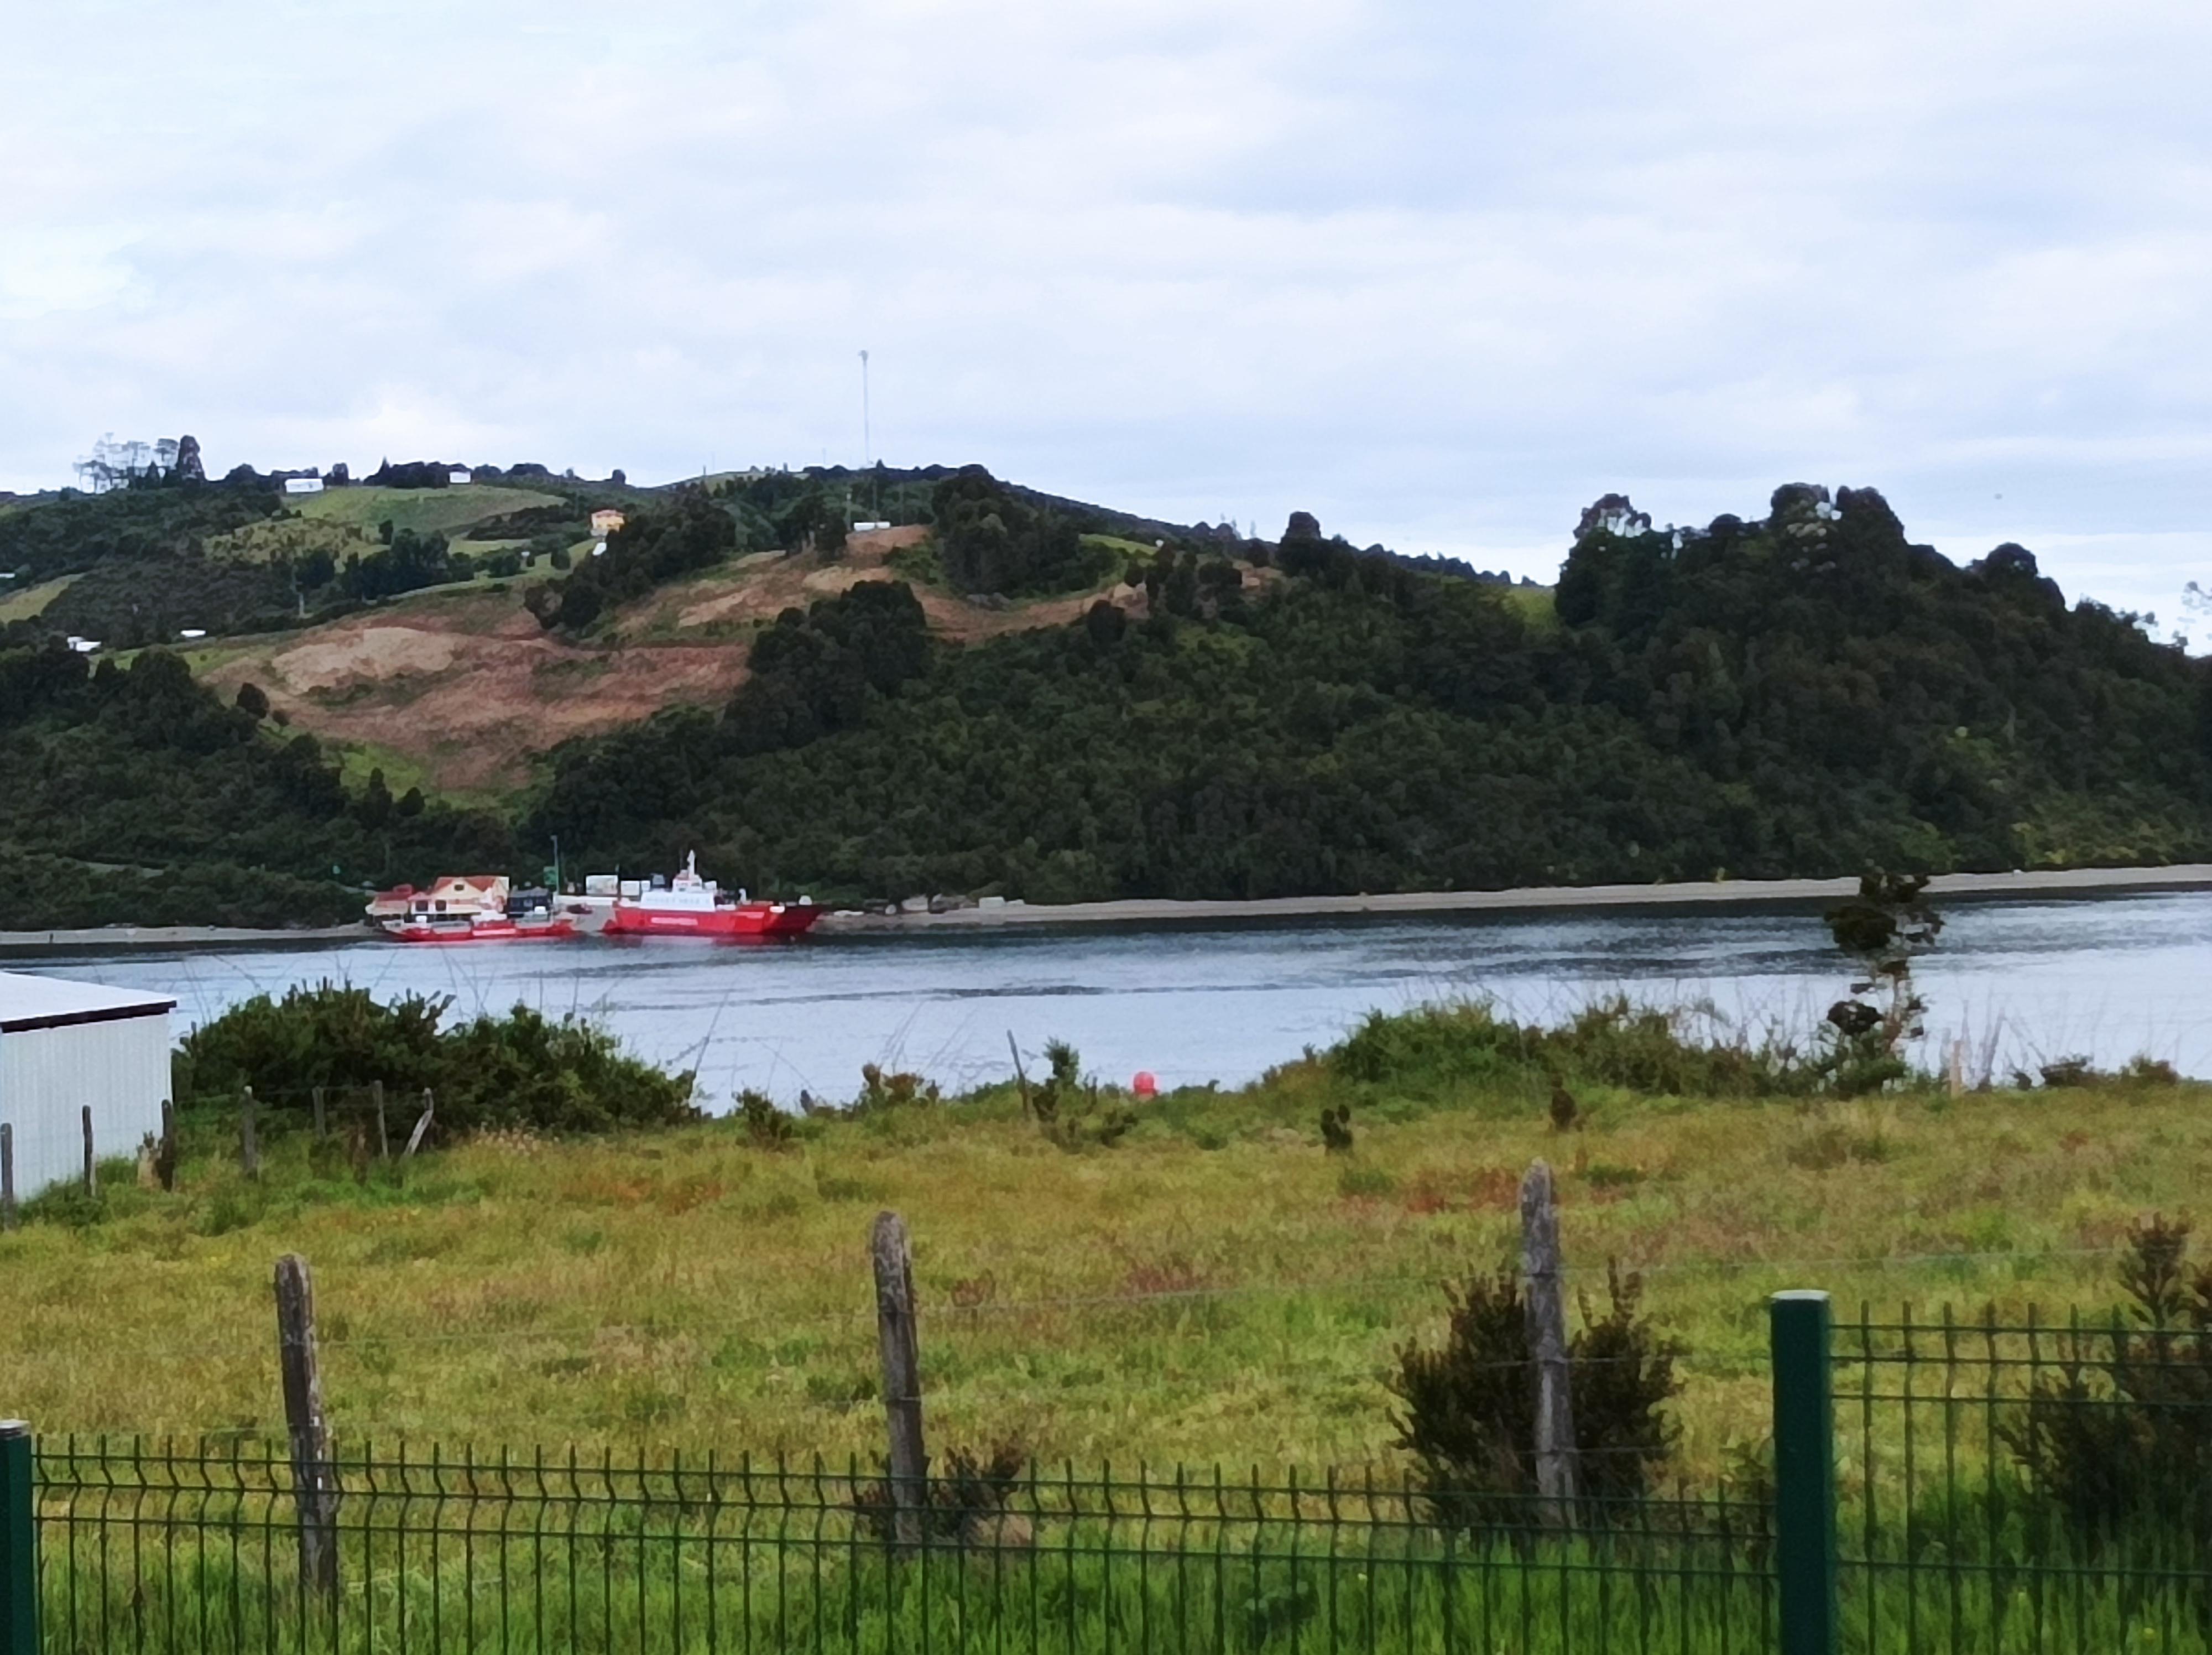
(520, 1070)
(766, 1126)
(964, 1504)
(1438, 1051)
(1467, 1408)
(2120, 1439)
(1069, 1110)
(528, 1070)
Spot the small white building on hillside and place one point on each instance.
(303, 485)
(66, 1047)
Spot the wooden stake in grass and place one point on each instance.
(1547, 1349)
(322, 1120)
(314, 1474)
(1021, 1075)
(422, 1126)
(249, 1136)
(7, 1178)
(164, 1158)
(91, 1167)
(383, 1132)
(895, 1330)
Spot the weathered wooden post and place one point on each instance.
(322, 1121)
(422, 1126)
(895, 1332)
(91, 1167)
(164, 1158)
(7, 1178)
(383, 1132)
(249, 1136)
(1021, 1075)
(1547, 1349)
(315, 1473)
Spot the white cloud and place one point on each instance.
(1440, 275)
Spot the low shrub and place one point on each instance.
(1071, 1111)
(1467, 1408)
(522, 1071)
(963, 1504)
(1437, 1051)
(2120, 1440)
(766, 1127)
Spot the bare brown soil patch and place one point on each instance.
(467, 685)
(471, 688)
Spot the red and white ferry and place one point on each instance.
(469, 907)
(688, 906)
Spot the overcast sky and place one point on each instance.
(1439, 273)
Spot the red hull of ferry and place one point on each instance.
(742, 921)
(488, 931)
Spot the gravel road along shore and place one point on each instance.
(1530, 899)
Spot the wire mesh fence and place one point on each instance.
(1953, 1485)
(193, 1548)
(2026, 1486)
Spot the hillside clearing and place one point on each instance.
(461, 687)
(32, 601)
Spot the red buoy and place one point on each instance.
(1144, 1086)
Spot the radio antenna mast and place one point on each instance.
(867, 442)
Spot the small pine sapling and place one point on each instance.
(1884, 927)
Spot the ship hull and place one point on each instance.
(746, 921)
(501, 930)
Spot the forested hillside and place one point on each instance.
(133, 795)
(1803, 694)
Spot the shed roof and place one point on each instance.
(29, 1002)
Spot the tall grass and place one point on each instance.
(1214, 1284)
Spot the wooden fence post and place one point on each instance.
(164, 1158)
(322, 1121)
(7, 1178)
(314, 1474)
(895, 1332)
(1021, 1075)
(91, 1167)
(421, 1125)
(383, 1132)
(1547, 1349)
(249, 1136)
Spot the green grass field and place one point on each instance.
(423, 510)
(1214, 1287)
(31, 600)
(1534, 604)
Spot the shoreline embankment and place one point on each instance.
(1142, 911)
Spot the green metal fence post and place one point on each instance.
(18, 1544)
(1804, 1473)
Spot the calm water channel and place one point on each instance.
(2025, 981)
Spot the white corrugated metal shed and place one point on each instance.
(66, 1047)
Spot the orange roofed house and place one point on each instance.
(450, 895)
